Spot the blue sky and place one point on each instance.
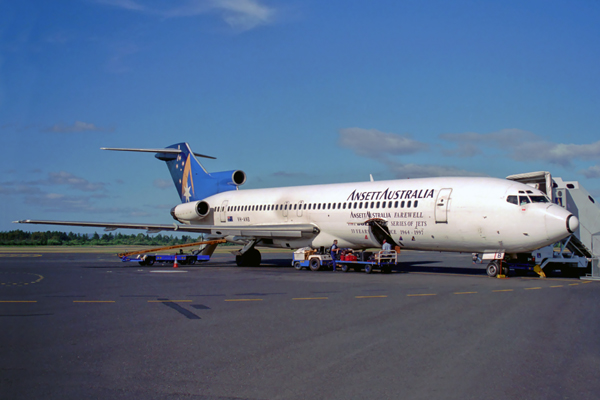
(291, 92)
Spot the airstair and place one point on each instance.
(583, 246)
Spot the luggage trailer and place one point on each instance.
(315, 260)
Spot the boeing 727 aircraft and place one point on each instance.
(492, 216)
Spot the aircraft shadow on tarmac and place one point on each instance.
(425, 266)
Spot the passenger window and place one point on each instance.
(512, 200)
(360, 205)
(355, 205)
(339, 205)
(328, 206)
(396, 204)
(344, 206)
(408, 204)
(377, 205)
(416, 203)
(305, 206)
(402, 204)
(383, 204)
(372, 204)
(523, 200)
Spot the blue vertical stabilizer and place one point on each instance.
(191, 180)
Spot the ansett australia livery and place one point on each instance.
(482, 215)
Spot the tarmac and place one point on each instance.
(79, 326)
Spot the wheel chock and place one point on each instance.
(501, 276)
(539, 271)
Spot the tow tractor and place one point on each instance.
(367, 261)
(145, 257)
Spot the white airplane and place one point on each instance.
(495, 217)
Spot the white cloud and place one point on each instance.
(383, 146)
(403, 171)
(522, 145)
(75, 182)
(241, 15)
(373, 143)
(163, 184)
(78, 126)
(591, 172)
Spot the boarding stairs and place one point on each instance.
(584, 244)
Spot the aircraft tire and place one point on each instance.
(251, 258)
(492, 269)
(345, 268)
(315, 264)
(239, 261)
(368, 268)
(254, 257)
(298, 266)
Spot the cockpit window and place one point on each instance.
(512, 199)
(524, 200)
(539, 199)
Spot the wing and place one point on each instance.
(253, 231)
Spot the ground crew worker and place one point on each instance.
(333, 251)
(386, 245)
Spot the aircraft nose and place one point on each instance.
(572, 223)
(560, 223)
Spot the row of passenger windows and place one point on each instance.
(324, 206)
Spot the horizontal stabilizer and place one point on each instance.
(172, 151)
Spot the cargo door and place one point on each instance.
(441, 206)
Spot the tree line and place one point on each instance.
(56, 238)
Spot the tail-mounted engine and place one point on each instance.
(193, 211)
(227, 179)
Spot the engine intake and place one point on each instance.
(226, 179)
(194, 211)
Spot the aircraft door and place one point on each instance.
(441, 206)
(300, 205)
(285, 211)
(224, 211)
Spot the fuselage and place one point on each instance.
(446, 214)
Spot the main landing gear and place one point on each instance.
(250, 258)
